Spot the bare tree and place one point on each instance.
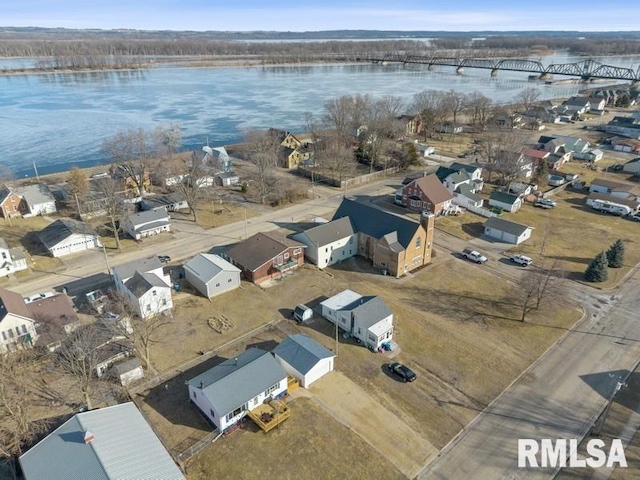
(539, 286)
(500, 153)
(133, 152)
(114, 207)
(527, 97)
(169, 139)
(429, 104)
(479, 107)
(345, 114)
(380, 124)
(454, 103)
(78, 183)
(19, 426)
(264, 147)
(193, 172)
(335, 157)
(79, 357)
(143, 333)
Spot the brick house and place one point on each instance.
(427, 193)
(10, 203)
(265, 256)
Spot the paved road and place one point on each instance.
(559, 397)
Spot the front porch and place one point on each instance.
(269, 415)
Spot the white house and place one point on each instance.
(211, 275)
(11, 259)
(505, 201)
(507, 231)
(145, 285)
(609, 187)
(147, 224)
(368, 319)
(304, 359)
(632, 166)
(169, 203)
(330, 242)
(129, 371)
(67, 236)
(108, 443)
(225, 393)
(17, 325)
(37, 199)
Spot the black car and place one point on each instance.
(402, 371)
(164, 258)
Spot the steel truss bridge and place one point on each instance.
(585, 69)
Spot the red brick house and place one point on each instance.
(9, 203)
(427, 193)
(266, 256)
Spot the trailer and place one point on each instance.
(613, 208)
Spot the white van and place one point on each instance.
(302, 313)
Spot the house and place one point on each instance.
(505, 201)
(55, 319)
(17, 325)
(128, 371)
(427, 194)
(396, 245)
(538, 156)
(423, 149)
(147, 224)
(329, 243)
(110, 351)
(145, 285)
(36, 200)
(632, 166)
(265, 256)
(507, 231)
(66, 236)
(627, 145)
(130, 180)
(11, 259)
(171, 202)
(576, 106)
(623, 126)
(110, 443)
(597, 104)
(513, 162)
(294, 149)
(227, 179)
(616, 189)
(368, 319)
(631, 201)
(211, 275)
(449, 127)
(546, 114)
(412, 124)
(10, 202)
(226, 392)
(304, 359)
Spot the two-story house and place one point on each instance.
(427, 194)
(147, 223)
(329, 243)
(11, 259)
(10, 202)
(17, 325)
(144, 285)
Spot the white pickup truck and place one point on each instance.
(474, 256)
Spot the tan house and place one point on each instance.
(294, 149)
(17, 325)
(396, 245)
(10, 203)
(427, 194)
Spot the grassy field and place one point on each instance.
(213, 214)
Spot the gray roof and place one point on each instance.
(239, 379)
(369, 310)
(140, 218)
(141, 283)
(60, 230)
(302, 352)
(466, 190)
(610, 198)
(124, 447)
(467, 167)
(503, 197)
(506, 226)
(127, 366)
(35, 194)
(161, 201)
(330, 232)
(259, 249)
(126, 270)
(206, 266)
(376, 223)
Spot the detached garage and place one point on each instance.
(506, 231)
(304, 359)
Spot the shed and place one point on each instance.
(507, 231)
(304, 359)
(211, 275)
(632, 166)
(505, 201)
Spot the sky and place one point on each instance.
(301, 15)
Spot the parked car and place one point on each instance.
(635, 217)
(402, 371)
(474, 256)
(544, 203)
(521, 260)
(164, 258)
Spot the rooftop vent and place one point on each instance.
(88, 437)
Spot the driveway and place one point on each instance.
(352, 406)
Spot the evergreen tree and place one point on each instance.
(615, 254)
(597, 269)
(411, 154)
(542, 172)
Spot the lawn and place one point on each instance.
(215, 214)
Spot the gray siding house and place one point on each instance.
(211, 275)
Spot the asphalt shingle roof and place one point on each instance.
(127, 270)
(62, 229)
(259, 249)
(503, 197)
(330, 232)
(141, 283)
(376, 223)
(302, 352)
(506, 226)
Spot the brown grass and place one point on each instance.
(214, 214)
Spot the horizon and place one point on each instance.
(331, 15)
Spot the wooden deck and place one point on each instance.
(269, 416)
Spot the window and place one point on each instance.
(148, 307)
(4, 336)
(217, 284)
(10, 332)
(418, 242)
(297, 251)
(229, 280)
(195, 394)
(4, 255)
(351, 241)
(155, 293)
(271, 389)
(164, 302)
(24, 328)
(18, 331)
(286, 255)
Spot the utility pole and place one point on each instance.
(36, 170)
(245, 223)
(106, 260)
(337, 337)
(597, 428)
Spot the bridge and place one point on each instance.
(585, 69)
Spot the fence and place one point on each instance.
(199, 445)
(481, 211)
(349, 182)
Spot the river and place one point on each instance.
(60, 120)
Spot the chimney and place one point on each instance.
(201, 385)
(88, 437)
